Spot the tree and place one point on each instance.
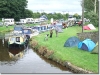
(12, 8)
(36, 15)
(91, 5)
(91, 11)
(77, 16)
(93, 18)
(28, 13)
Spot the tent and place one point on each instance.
(96, 49)
(71, 42)
(87, 45)
(86, 28)
(91, 26)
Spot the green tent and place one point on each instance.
(96, 49)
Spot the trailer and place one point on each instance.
(9, 21)
(29, 20)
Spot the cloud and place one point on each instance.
(55, 5)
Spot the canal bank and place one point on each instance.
(49, 54)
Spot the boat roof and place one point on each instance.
(17, 35)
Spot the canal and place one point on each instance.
(25, 60)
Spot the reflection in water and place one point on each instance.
(16, 53)
(8, 55)
(20, 60)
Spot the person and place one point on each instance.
(51, 33)
(56, 30)
(56, 33)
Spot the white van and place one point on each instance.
(29, 20)
(9, 21)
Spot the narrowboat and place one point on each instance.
(29, 33)
(17, 40)
(18, 29)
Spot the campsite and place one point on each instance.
(57, 51)
(56, 36)
(78, 57)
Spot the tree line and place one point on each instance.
(17, 9)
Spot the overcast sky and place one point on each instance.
(50, 6)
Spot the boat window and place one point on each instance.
(12, 39)
(27, 31)
(17, 39)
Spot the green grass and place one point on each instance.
(5, 29)
(77, 57)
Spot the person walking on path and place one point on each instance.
(51, 33)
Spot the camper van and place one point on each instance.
(9, 21)
(29, 20)
(23, 21)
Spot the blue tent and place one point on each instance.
(87, 44)
(71, 42)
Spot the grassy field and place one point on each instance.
(75, 56)
(5, 29)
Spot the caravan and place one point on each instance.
(23, 21)
(9, 21)
(29, 20)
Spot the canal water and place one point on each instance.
(25, 60)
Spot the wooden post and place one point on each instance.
(82, 14)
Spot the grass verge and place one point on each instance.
(75, 56)
(4, 29)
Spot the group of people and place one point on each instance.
(51, 33)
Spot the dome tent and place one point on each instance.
(87, 44)
(96, 49)
(71, 42)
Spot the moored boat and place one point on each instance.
(17, 40)
(29, 33)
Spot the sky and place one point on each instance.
(58, 6)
